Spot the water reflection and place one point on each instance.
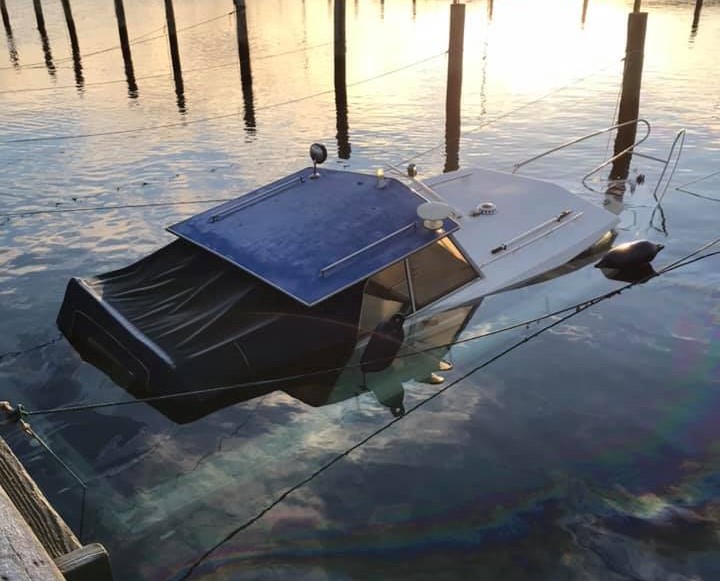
(341, 105)
(74, 44)
(44, 37)
(125, 49)
(245, 68)
(175, 56)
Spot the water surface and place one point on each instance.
(589, 452)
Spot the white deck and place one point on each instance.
(538, 226)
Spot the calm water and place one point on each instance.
(592, 452)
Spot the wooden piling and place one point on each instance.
(44, 37)
(454, 87)
(630, 99)
(489, 9)
(696, 15)
(125, 49)
(74, 44)
(175, 56)
(245, 68)
(341, 106)
(584, 12)
(5, 18)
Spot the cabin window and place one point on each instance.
(386, 294)
(434, 272)
(438, 270)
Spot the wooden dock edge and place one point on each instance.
(35, 542)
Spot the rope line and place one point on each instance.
(115, 207)
(517, 109)
(217, 117)
(13, 354)
(274, 381)
(135, 41)
(161, 75)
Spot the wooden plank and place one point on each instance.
(89, 563)
(44, 521)
(22, 557)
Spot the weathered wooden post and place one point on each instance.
(44, 37)
(341, 107)
(454, 86)
(245, 68)
(584, 12)
(175, 56)
(5, 18)
(630, 100)
(489, 9)
(125, 49)
(9, 34)
(74, 44)
(696, 15)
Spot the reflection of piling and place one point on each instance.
(44, 37)
(696, 16)
(175, 55)
(125, 49)
(245, 70)
(584, 12)
(454, 87)
(630, 100)
(341, 106)
(74, 44)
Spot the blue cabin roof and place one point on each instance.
(312, 238)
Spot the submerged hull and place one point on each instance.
(183, 320)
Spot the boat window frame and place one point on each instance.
(412, 306)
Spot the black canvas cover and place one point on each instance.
(182, 319)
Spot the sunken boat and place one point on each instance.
(290, 280)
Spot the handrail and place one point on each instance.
(415, 180)
(681, 138)
(245, 202)
(517, 166)
(410, 226)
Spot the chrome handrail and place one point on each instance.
(517, 166)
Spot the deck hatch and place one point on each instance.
(312, 238)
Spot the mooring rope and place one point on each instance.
(167, 74)
(511, 112)
(135, 41)
(185, 123)
(274, 381)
